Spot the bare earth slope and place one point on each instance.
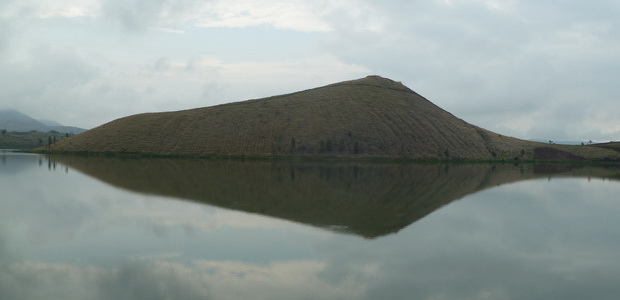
(369, 117)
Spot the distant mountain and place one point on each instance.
(67, 129)
(372, 117)
(12, 120)
(50, 122)
(559, 142)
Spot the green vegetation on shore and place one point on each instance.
(29, 140)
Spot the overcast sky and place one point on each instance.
(531, 69)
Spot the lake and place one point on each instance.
(110, 228)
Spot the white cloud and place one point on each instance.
(49, 9)
(293, 15)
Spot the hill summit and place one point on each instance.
(369, 117)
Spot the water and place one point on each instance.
(103, 228)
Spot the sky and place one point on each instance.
(531, 69)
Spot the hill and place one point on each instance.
(14, 121)
(373, 117)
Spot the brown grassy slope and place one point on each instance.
(611, 145)
(369, 117)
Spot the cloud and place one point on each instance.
(141, 15)
(293, 15)
(49, 9)
(138, 15)
(44, 79)
(4, 35)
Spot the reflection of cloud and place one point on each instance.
(140, 281)
(161, 216)
(468, 272)
(47, 281)
(280, 280)
(172, 280)
(61, 281)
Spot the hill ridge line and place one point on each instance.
(403, 89)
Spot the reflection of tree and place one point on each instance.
(370, 200)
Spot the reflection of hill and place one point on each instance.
(365, 199)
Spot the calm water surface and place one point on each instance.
(95, 228)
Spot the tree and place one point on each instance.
(3, 131)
